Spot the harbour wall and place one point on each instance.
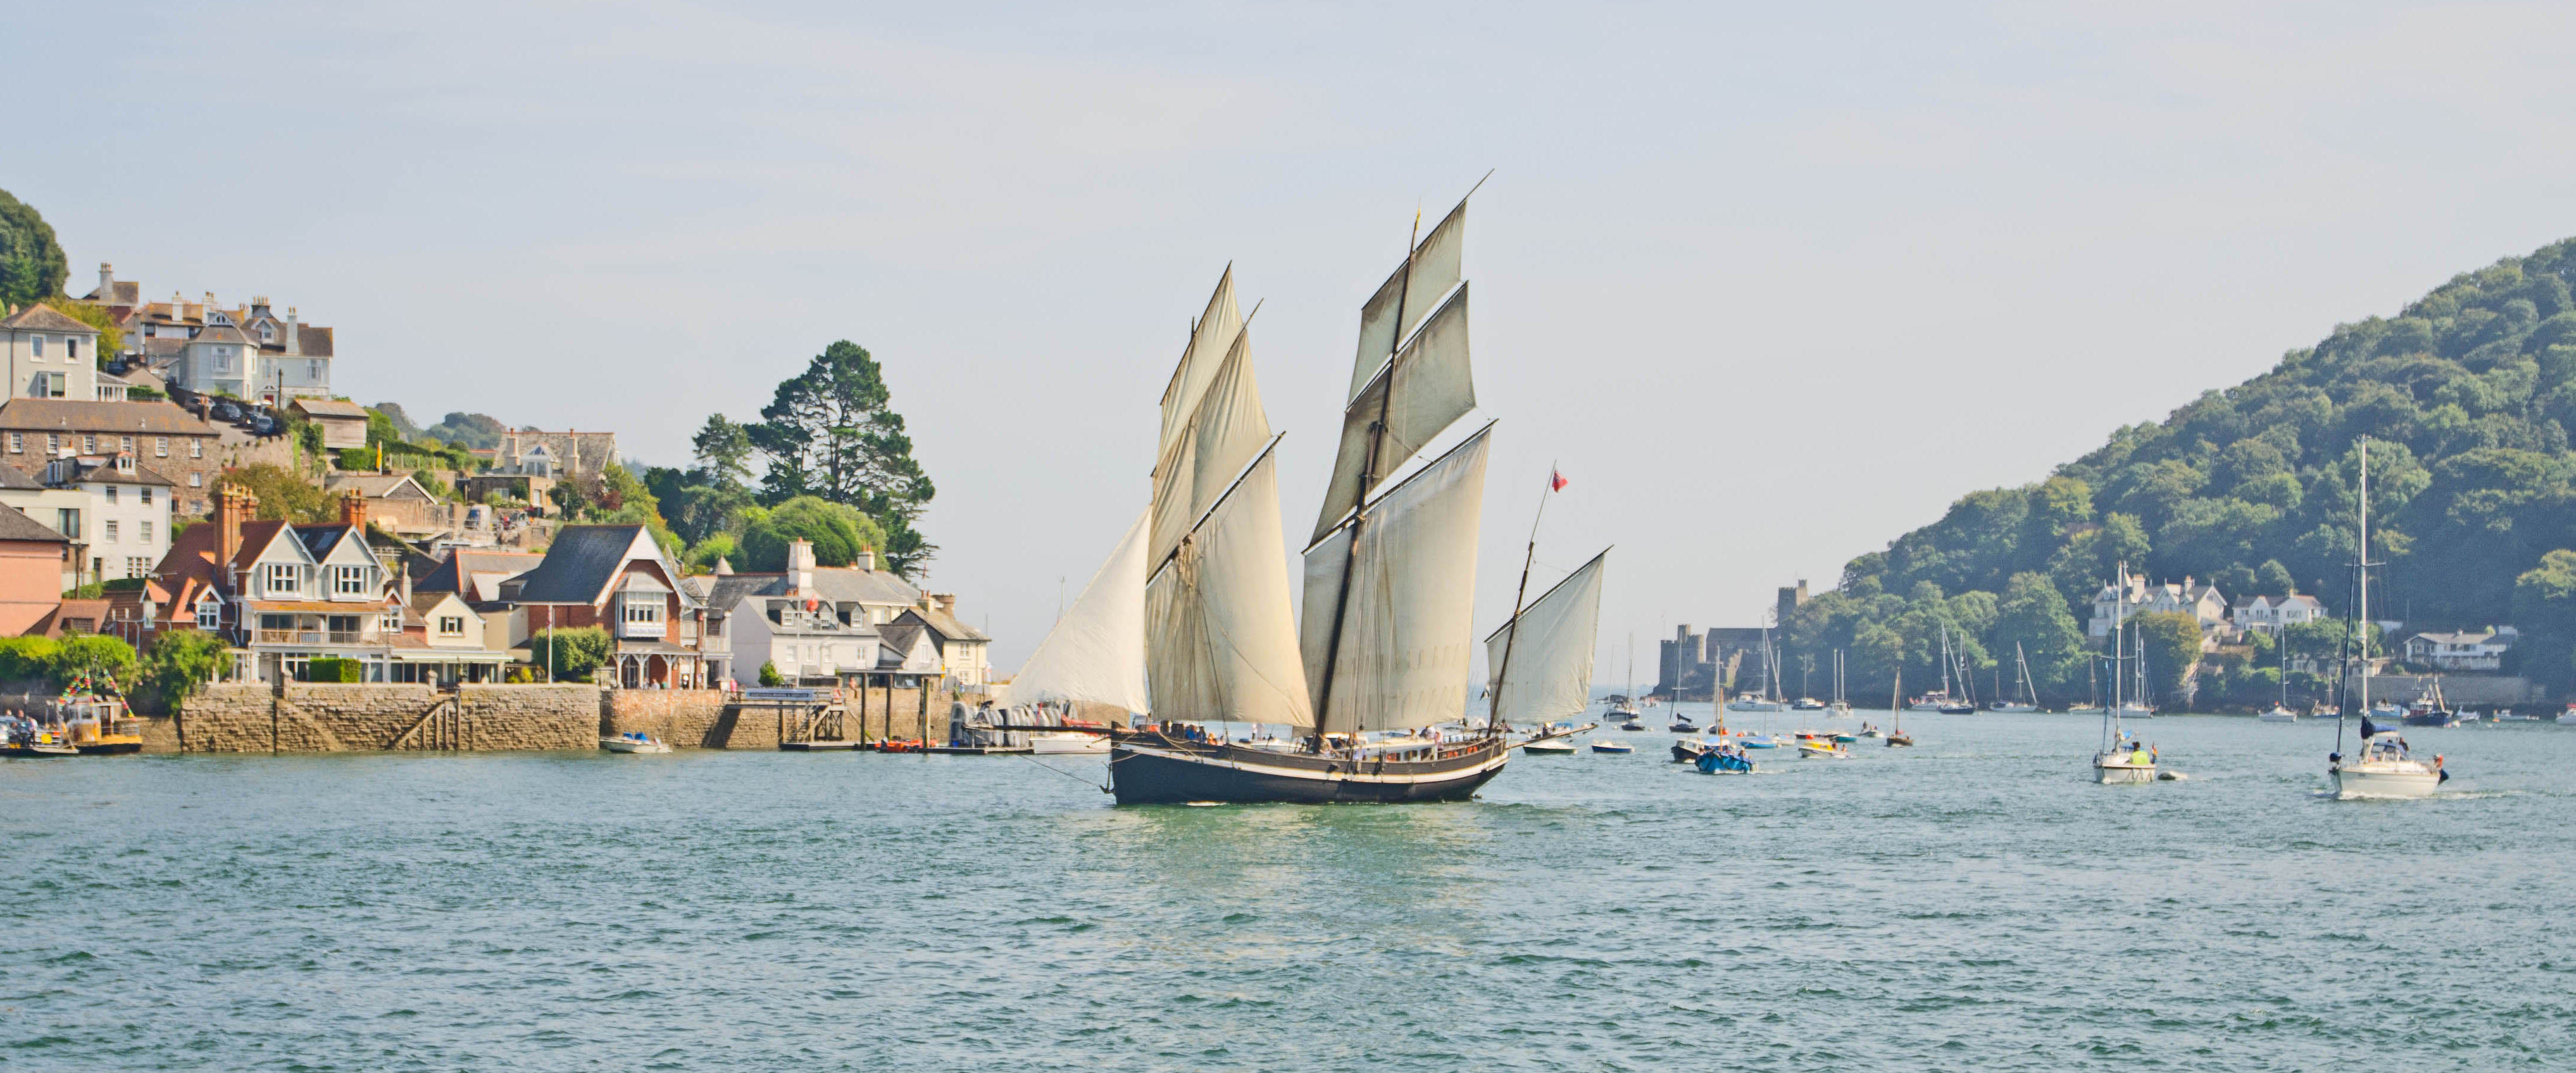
(299, 717)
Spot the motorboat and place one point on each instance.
(1682, 725)
(2278, 714)
(1069, 743)
(1611, 745)
(2515, 717)
(1823, 747)
(1722, 760)
(1806, 704)
(634, 742)
(1869, 731)
(1756, 704)
(2386, 768)
(1554, 739)
(2430, 710)
(1633, 723)
(2011, 706)
(1838, 710)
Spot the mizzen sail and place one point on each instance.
(1096, 652)
(1551, 645)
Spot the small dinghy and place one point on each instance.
(1723, 761)
(1612, 745)
(1824, 747)
(634, 742)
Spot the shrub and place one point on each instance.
(333, 669)
(569, 655)
(26, 658)
(180, 662)
(94, 654)
(769, 675)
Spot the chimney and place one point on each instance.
(353, 508)
(259, 305)
(947, 602)
(867, 559)
(294, 343)
(233, 505)
(800, 566)
(106, 282)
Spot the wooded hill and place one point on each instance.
(2467, 397)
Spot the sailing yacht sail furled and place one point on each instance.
(1388, 634)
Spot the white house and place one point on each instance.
(127, 526)
(2462, 651)
(2202, 602)
(2271, 614)
(49, 355)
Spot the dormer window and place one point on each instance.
(348, 581)
(267, 333)
(210, 614)
(285, 578)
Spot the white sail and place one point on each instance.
(1210, 338)
(1550, 672)
(1436, 266)
(1218, 438)
(1219, 642)
(1432, 388)
(1408, 627)
(1096, 652)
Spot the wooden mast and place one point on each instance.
(1359, 511)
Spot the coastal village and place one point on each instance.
(439, 581)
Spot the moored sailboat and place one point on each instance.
(2387, 766)
(2122, 758)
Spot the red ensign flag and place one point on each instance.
(1556, 482)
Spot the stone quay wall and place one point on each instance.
(686, 718)
(252, 717)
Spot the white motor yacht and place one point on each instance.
(634, 742)
(1062, 743)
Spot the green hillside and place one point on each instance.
(2467, 396)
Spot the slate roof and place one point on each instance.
(127, 292)
(838, 584)
(946, 625)
(104, 471)
(312, 341)
(11, 478)
(375, 485)
(466, 572)
(580, 564)
(15, 525)
(44, 318)
(331, 408)
(94, 612)
(77, 415)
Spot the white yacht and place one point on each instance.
(2123, 758)
(2385, 768)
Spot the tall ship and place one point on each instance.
(1372, 683)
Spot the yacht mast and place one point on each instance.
(2363, 530)
(1359, 518)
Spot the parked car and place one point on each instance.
(226, 411)
(265, 425)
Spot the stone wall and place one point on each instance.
(244, 717)
(686, 718)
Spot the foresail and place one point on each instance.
(1210, 338)
(1408, 628)
(1220, 436)
(1550, 672)
(1219, 641)
(1433, 387)
(1096, 652)
(1436, 265)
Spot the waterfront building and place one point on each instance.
(284, 595)
(2461, 650)
(2271, 614)
(2202, 602)
(616, 578)
(962, 649)
(173, 442)
(815, 622)
(31, 568)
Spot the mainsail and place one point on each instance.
(1096, 652)
(1219, 644)
(1407, 624)
(1550, 653)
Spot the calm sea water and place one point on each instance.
(1973, 903)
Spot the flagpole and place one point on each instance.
(1512, 632)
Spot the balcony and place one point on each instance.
(308, 637)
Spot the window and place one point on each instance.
(196, 449)
(147, 498)
(147, 529)
(17, 443)
(110, 532)
(285, 577)
(313, 371)
(71, 348)
(53, 444)
(125, 444)
(40, 345)
(268, 333)
(210, 614)
(349, 580)
(390, 621)
(55, 383)
(642, 611)
(111, 495)
(161, 447)
(451, 625)
(68, 521)
(89, 444)
(138, 567)
(223, 363)
(196, 480)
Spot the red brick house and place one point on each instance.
(616, 578)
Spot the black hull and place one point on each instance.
(1159, 772)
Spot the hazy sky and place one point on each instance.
(1770, 283)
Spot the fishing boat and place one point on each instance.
(2121, 758)
(2429, 709)
(2386, 768)
(634, 742)
(2027, 699)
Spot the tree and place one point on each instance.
(180, 663)
(2032, 615)
(401, 423)
(839, 533)
(282, 493)
(723, 452)
(32, 266)
(569, 654)
(770, 677)
(479, 431)
(2170, 643)
(111, 339)
(829, 433)
(2544, 597)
